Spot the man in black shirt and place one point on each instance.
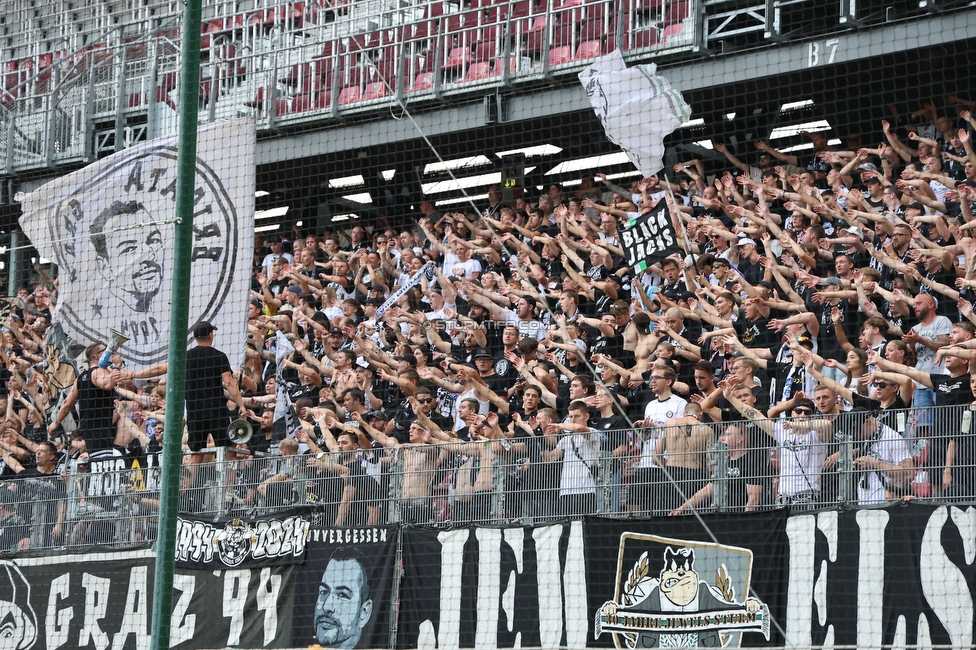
(43, 487)
(93, 391)
(208, 375)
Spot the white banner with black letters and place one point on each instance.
(230, 543)
(109, 227)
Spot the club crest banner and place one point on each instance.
(110, 229)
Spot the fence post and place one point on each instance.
(720, 476)
(605, 477)
(394, 501)
(223, 491)
(845, 466)
(498, 471)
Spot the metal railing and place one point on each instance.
(300, 62)
(855, 459)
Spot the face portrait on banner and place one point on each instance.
(130, 262)
(345, 589)
(344, 603)
(110, 229)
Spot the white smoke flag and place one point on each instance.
(110, 229)
(637, 107)
(284, 410)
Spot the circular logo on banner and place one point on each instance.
(234, 542)
(114, 239)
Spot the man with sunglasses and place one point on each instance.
(802, 445)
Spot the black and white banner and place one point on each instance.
(231, 543)
(898, 577)
(346, 588)
(110, 226)
(103, 601)
(648, 238)
(426, 270)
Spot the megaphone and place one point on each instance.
(240, 431)
(116, 342)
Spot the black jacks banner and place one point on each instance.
(898, 576)
(228, 543)
(648, 238)
(346, 588)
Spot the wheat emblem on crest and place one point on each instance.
(638, 585)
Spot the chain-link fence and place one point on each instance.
(806, 462)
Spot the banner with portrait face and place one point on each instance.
(110, 229)
(344, 592)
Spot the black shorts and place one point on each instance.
(197, 433)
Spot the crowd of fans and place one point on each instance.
(816, 317)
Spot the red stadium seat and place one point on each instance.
(424, 81)
(458, 57)
(672, 30)
(560, 55)
(485, 51)
(589, 50)
(477, 71)
(350, 95)
(375, 90)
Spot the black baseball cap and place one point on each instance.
(203, 329)
(482, 352)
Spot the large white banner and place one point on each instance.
(637, 107)
(110, 229)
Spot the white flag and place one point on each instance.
(110, 228)
(284, 409)
(637, 107)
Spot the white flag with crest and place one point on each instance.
(109, 227)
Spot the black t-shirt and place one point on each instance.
(367, 490)
(827, 339)
(755, 334)
(613, 431)
(729, 414)
(95, 408)
(750, 469)
(950, 391)
(945, 306)
(205, 402)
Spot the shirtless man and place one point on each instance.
(682, 453)
(420, 459)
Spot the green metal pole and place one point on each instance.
(178, 326)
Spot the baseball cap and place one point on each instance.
(482, 352)
(868, 167)
(203, 329)
(409, 358)
(744, 241)
(375, 302)
(297, 290)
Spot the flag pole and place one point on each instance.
(178, 326)
(684, 228)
